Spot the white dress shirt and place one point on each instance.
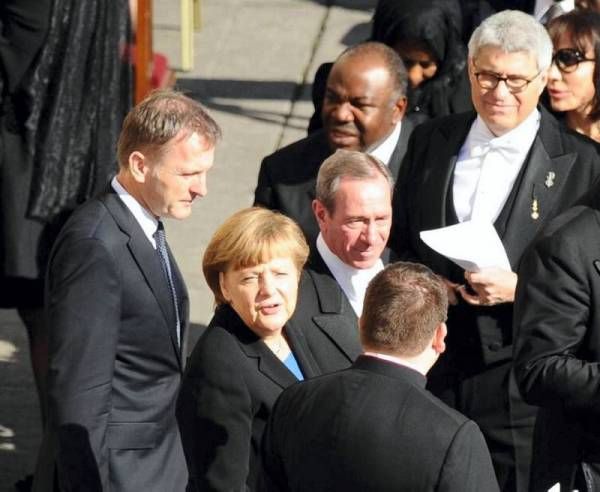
(395, 360)
(147, 221)
(353, 281)
(385, 149)
(488, 166)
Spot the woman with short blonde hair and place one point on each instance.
(246, 357)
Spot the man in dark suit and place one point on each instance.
(363, 108)
(374, 426)
(514, 166)
(557, 348)
(118, 310)
(354, 212)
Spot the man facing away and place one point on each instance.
(117, 308)
(374, 426)
(354, 213)
(510, 164)
(363, 110)
(557, 348)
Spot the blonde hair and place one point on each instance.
(249, 237)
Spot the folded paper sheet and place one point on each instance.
(472, 245)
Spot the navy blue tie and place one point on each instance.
(161, 247)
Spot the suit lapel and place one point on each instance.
(437, 181)
(268, 364)
(336, 309)
(406, 129)
(147, 261)
(546, 172)
(299, 347)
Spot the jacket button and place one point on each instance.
(495, 346)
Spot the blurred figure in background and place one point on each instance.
(23, 29)
(62, 112)
(427, 36)
(574, 76)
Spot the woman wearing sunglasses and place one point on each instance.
(574, 77)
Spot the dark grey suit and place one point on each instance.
(286, 181)
(230, 385)
(115, 364)
(373, 428)
(557, 347)
(326, 318)
(473, 375)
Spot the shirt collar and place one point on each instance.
(353, 281)
(481, 139)
(145, 219)
(385, 149)
(394, 359)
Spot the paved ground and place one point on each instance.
(254, 61)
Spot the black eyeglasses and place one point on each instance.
(514, 84)
(568, 59)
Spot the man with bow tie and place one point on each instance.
(117, 311)
(510, 164)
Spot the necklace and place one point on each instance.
(276, 348)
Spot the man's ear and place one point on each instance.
(320, 212)
(438, 343)
(399, 109)
(138, 166)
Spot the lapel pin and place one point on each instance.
(550, 179)
(535, 209)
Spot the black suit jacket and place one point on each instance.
(115, 364)
(287, 178)
(557, 346)
(423, 200)
(326, 318)
(231, 383)
(375, 428)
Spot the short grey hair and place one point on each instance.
(347, 164)
(513, 31)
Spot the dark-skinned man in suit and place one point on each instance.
(363, 110)
(374, 426)
(510, 164)
(117, 308)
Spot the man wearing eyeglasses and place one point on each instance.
(509, 164)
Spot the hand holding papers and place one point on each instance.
(472, 245)
(476, 247)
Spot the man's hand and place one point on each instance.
(491, 285)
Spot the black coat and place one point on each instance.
(230, 385)
(23, 28)
(557, 346)
(115, 365)
(374, 428)
(474, 371)
(287, 178)
(58, 132)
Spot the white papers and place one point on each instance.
(472, 245)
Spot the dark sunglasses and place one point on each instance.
(568, 59)
(408, 63)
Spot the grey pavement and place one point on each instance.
(253, 64)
